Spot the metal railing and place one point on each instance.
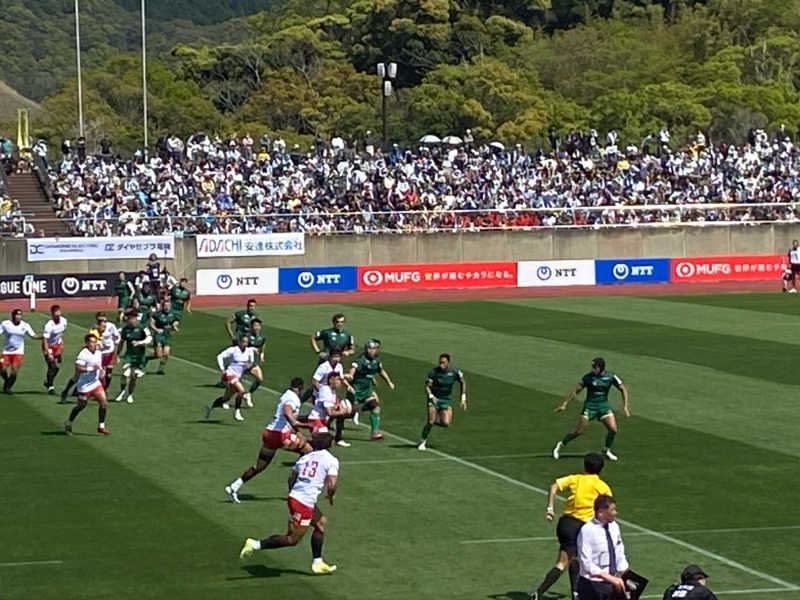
(437, 220)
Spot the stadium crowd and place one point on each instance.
(213, 185)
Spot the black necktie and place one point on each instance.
(612, 553)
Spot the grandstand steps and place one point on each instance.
(25, 188)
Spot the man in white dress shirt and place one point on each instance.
(601, 554)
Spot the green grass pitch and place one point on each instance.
(707, 472)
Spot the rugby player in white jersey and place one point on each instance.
(326, 404)
(233, 362)
(14, 331)
(282, 432)
(53, 333)
(89, 363)
(332, 365)
(109, 337)
(312, 473)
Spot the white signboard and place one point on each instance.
(534, 273)
(99, 248)
(257, 244)
(232, 282)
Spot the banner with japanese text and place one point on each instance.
(100, 248)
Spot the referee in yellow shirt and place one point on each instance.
(579, 508)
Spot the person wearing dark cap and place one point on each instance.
(691, 587)
(597, 383)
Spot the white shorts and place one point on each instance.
(127, 368)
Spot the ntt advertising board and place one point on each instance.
(535, 273)
(233, 282)
(727, 268)
(437, 275)
(632, 270)
(317, 279)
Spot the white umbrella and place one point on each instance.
(430, 139)
(453, 140)
(497, 145)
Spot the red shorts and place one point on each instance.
(317, 424)
(55, 349)
(230, 378)
(275, 440)
(92, 391)
(299, 514)
(108, 359)
(11, 359)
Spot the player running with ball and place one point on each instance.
(282, 432)
(597, 383)
(89, 364)
(233, 362)
(439, 387)
(312, 473)
(362, 376)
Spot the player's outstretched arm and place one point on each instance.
(331, 481)
(569, 397)
(625, 404)
(385, 376)
(551, 496)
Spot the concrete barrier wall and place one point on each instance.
(455, 247)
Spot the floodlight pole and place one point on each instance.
(386, 73)
(78, 60)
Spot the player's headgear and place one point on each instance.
(599, 362)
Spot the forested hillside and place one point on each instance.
(507, 70)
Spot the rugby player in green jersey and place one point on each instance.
(439, 388)
(597, 383)
(123, 290)
(362, 377)
(162, 323)
(147, 300)
(333, 338)
(257, 343)
(181, 297)
(135, 337)
(239, 324)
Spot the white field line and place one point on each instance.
(527, 486)
(639, 533)
(31, 563)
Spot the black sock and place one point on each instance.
(69, 385)
(273, 541)
(74, 412)
(549, 579)
(254, 386)
(574, 568)
(316, 543)
(218, 402)
(339, 428)
(10, 381)
(101, 413)
(3, 374)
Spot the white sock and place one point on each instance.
(102, 424)
(316, 561)
(257, 545)
(237, 484)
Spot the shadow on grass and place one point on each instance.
(510, 596)
(62, 433)
(252, 498)
(208, 422)
(263, 571)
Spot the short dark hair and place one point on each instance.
(256, 321)
(99, 314)
(88, 337)
(335, 352)
(241, 337)
(321, 440)
(593, 463)
(253, 300)
(603, 501)
(183, 279)
(131, 313)
(599, 362)
(296, 383)
(444, 355)
(54, 308)
(336, 317)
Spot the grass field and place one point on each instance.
(707, 472)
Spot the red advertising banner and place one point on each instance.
(437, 275)
(726, 268)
